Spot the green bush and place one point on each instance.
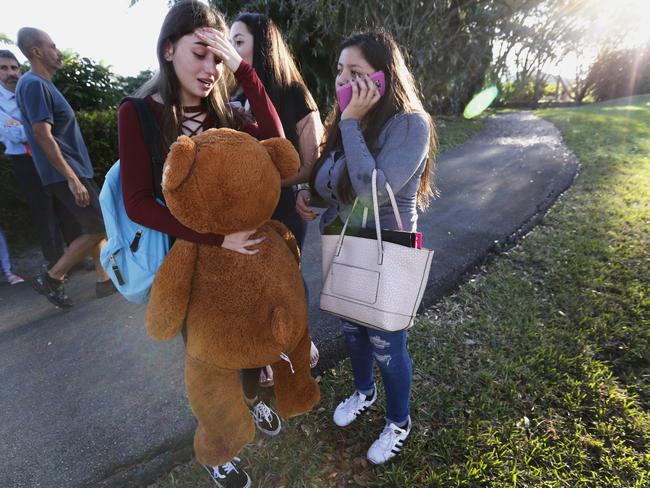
(129, 84)
(523, 91)
(620, 73)
(99, 129)
(86, 84)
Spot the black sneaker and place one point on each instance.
(229, 476)
(266, 420)
(104, 288)
(51, 289)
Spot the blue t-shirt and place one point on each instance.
(40, 101)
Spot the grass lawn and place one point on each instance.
(452, 132)
(535, 372)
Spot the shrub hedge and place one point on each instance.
(99, 129)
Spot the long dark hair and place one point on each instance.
(276, 68)
(182, 19)
(382, 53)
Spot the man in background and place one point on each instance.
(49, 221)
(62, 162)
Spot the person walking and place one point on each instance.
(51, 221)
(62, 162)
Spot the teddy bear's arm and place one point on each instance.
(287, 235)
(171, 292)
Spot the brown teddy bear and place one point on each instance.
(240, 311)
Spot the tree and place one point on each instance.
(620, 73)
(87, 85)
(129, 84)
(448, 43)
(5, 39)
(527, 42)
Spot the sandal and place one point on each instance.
(314, 355)
(266, 377)
(266, 373)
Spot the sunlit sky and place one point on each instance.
(104, 30)
(125, 37)
(625, 20)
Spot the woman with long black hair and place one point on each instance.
(394, 136)
(260, 43)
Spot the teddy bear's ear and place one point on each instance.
(179, 163)
(284, 156)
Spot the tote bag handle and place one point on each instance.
(375, 205)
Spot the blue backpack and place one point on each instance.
(133, 253)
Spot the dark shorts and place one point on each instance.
(88, 219)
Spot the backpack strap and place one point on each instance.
(151, 134)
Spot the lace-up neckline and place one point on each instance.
(193, 120)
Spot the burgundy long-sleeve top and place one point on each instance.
(135, 161)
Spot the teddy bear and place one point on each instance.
(239, 311)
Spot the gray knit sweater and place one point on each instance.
(400, 157)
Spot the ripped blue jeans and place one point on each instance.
(390, 351)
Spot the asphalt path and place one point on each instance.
(87, 399)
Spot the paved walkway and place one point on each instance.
(89, 400)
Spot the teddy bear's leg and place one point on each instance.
(225, 425)
(296, 393)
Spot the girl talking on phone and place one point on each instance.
(394, 135)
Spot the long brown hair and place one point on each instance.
(276, 68)
(382, 53)
(182, 19)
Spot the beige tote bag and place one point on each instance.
(371, 282)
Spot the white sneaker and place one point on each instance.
(350, 408)
(14, 279)
(389, 444)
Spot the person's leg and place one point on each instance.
(90, 222)
(297, 226)
(286, 213)
(66, 223)
(102, 276)
(249, 381)
(360, 352)
(266, 376)
(50, 283)
(76, 251)
(41, 208)
(5, 262)
(391, 353)
(258, 399)
(314, 355)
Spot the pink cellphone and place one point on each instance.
(344, 93)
